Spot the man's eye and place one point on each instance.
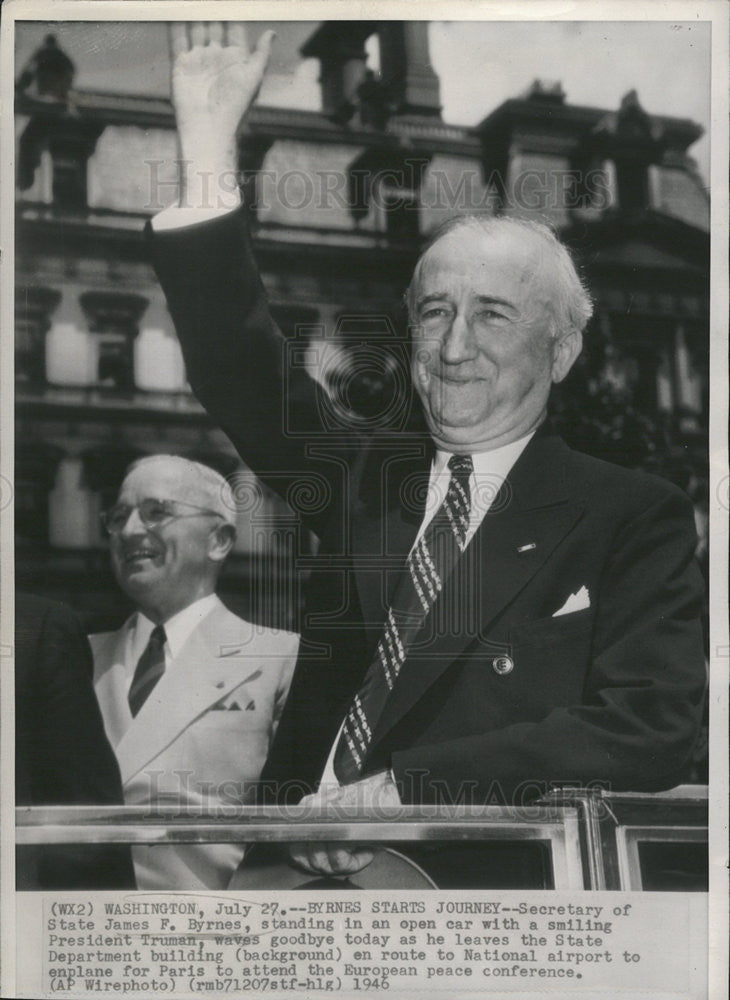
(154, 511)
(434, 312)
(118, 517)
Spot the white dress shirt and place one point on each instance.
(177, 630)
(175, 217)
(491, 468)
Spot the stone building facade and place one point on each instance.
(340, 202)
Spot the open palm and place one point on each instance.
(215, 78)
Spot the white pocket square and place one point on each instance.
(576, 602)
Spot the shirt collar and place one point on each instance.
(178, 628)
(497, 462)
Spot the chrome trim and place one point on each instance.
(131, 824)
(627, 847)
(589, 803)
(566, 854)
(681, 793)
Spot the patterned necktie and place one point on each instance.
(428, 567)
(150, 667)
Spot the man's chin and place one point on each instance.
(459, 435)
(138, 579)
(454, 428)
(460, 408)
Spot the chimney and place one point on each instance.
(408, 83)
(406, 69)
(547, 91)
(340, 48)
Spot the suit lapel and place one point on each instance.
(211, 664)
(533, 509)
(111, 681)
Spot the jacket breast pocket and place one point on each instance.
(556, 629)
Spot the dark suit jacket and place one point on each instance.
(62, 755)
(611, 693)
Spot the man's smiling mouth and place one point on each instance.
(138, 555)
(456, 379)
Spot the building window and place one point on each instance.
(398, 207)
(689, 379)
(633, 185)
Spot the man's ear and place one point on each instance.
(221, 542)
(566, 348)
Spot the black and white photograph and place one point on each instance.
(364, 500)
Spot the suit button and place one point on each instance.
(503, 665)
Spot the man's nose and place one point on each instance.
(134, 525)
(459, 343)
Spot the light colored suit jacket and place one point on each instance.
(201, 737)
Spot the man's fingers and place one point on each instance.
(178, 37)
(237, 36)
(310, 859)
(343, 861)
(260, 58)
(263, 46)
(319, 861)
(331, 859)
(215, 32)
(198, 33)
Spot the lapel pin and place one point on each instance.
(221, 684)
(526, 548)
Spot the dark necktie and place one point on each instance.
(150, 667)
(427, 569)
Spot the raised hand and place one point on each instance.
(215, 79)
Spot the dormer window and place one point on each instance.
(632, 181)
(633, 141)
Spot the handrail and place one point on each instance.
(232, 824)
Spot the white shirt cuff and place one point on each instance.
(174, 217)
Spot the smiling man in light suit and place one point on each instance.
(190, 693)
(492, 613)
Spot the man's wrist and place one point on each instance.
(175, 217)
(208, 187)
(208, 151)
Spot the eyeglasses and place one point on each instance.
(152, 513)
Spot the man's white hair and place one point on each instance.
(570, 303)
(215, 488)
